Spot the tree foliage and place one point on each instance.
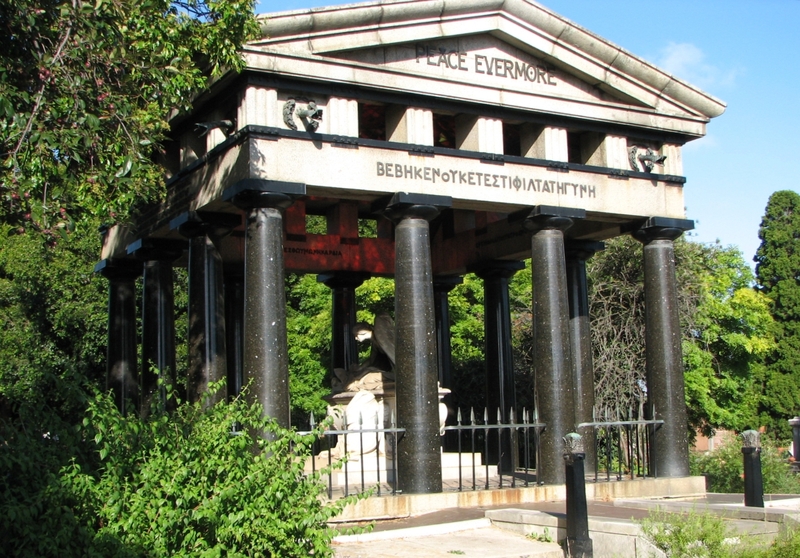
(778, 274)
(53, 321)
(86, 89)
(724, 468)
(725, 324)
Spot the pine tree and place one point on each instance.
(778, 276)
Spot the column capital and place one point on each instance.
(662, 228)
(446, 283)
(342, 279)
(503, 269)
(543, 217)
(119, 269)
(159, 249)
(404, 205)
(197, 223)
(252, 193)
(582, 250)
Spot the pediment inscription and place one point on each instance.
(480, 60)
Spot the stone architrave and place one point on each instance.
(122, 375)
(551, 336)
(265, 358)
(664, 367)
(419, 450)
(577, 252)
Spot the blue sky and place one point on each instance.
(744, 52)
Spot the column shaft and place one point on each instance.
(158, 332)
(500, 389)
(234, 330)
(121, 359)
(207, 355)
(265, 362)
(441, 290)
(581, 342)
(664, 367)
(553, 362)
(419, 461)
(344, 351)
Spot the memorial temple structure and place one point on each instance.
(476, 135)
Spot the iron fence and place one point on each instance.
(623, 448)
(513, 450)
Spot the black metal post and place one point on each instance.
(579, 543)
(551, 336)
(664, 368)
(753, 480)
(795, 424)
(419, 451)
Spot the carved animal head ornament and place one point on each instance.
(203, 128)
(311, 116)
(648, 159)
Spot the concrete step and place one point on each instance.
(474, 538)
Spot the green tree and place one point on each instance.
(778, 274)
(725, 325)
(86, 90)
(52, 322)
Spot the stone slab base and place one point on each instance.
(406, 505)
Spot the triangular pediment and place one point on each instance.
(483, 60)
(514, 53)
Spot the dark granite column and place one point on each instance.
(344, 351)
(234, 330)
(500, 392)
(122, 376)
(577, 252)
(265, 359)
(442, 285)
(158, 318)
(664, 368)
(418, 459)
(551, 336)
(207, 353)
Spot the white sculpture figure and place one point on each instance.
(364, 412)
(378, 368)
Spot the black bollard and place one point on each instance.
(579, 544)
(795, 424)
(753, 481)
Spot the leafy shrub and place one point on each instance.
(173, 484)
(701, 535)
(693, 534)
(724, 468)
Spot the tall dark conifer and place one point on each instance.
(778, 276)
